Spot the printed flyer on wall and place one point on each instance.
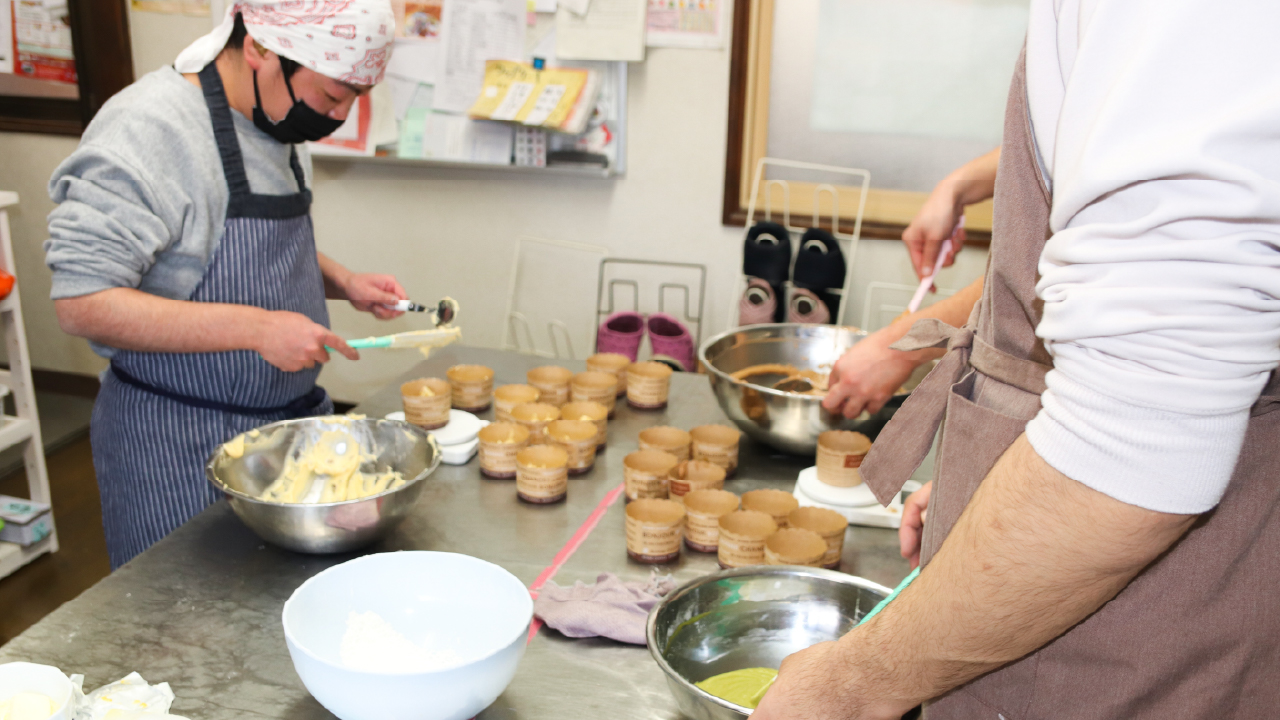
(686, 24)
(6, 37)
(174, 7)
(42, 40)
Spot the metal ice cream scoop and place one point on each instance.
(442, 314)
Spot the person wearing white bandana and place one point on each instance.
(182, 248)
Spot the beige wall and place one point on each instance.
(454, 231)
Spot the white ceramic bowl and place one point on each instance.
(19, 677)
(444, 601)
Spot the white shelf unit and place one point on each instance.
(24, 428)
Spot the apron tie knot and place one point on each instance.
(933, 333)
(908, 437)
(903, 444)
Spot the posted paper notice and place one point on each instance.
(686, 23)
(476, 31)
(6, 38)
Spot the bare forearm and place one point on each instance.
(1033, 554)
(953, 311)
(870, 372)
(134, 320)
(335, 277)
(975, 181)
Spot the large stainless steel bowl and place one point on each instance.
(788, 421)
(325, 527)
(749, 617)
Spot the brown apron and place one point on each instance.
(1196, 634)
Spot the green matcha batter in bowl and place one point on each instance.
(720, 638)
(745, 687)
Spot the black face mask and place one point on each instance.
(301, 124)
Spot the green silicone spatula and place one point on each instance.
(438, 337)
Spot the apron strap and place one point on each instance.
(243, 201)
(301, 406)
(909, 435)
(297, 169)
(1269, 400)
(224, 131)
(1026, 375)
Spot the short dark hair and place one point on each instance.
(236, 42)
(238, 33)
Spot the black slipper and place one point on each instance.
(767, 255)
(820, 267)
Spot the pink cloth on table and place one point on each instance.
(610, 608)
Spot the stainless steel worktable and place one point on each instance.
(201, 609)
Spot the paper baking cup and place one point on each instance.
(552, 381)
(654, 529)
(648, 384)
(716, 444)
(429, 412)
(542, 475)
(693, 475)
(840, 454)
(500, 442)
(830, 526)
(703, 509)
(742, 536)
(646, 473)
(535, 416)
(472, 387)
(601, 387)
(667, 439)
(777, 503)
(611, 363)
(794, 546)
(594, 412)
(578, 438)
(507, 397)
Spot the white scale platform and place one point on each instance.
(857, 504)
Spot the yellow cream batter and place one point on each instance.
(441, 336)
(27, 706)
(334, 458)
(744, 687)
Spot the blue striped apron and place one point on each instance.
(159, 416)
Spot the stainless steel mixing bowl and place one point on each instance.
(787, 421)
(749, 617)
(325, 527)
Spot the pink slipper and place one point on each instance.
(669, 337)
(807, 307)
(758, 303)
(621, 333)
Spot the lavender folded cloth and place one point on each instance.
(610, 608)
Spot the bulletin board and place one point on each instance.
(419, 114)
(907, 89)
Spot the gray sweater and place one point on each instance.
(142, 200)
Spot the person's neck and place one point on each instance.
(237, 82)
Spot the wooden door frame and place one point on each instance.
(888, 211)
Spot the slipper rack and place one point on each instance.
(23, 429)
(861, 180)
(685, 280)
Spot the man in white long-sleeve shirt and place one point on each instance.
(1103, 535)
